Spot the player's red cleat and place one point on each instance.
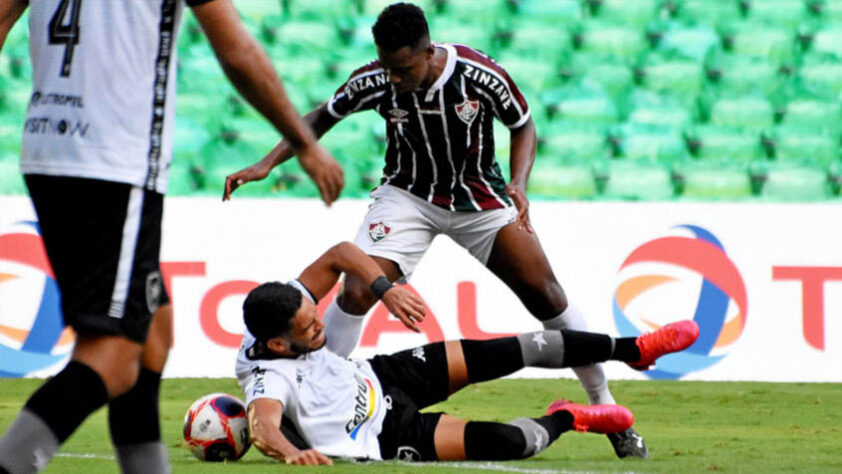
(673, 337)
(595, 418)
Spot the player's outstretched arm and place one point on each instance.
(322, 274)
(522, 155)
(318, 119)
(10, 11)
(251, 72)
(264, 427)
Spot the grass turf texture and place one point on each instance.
(689, 427)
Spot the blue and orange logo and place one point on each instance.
(719, 307)
(32, 335)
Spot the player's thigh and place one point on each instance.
(449, 438)
(103, 242)
(158, 342)
(518, 259)
(476, 232)
(398, 228)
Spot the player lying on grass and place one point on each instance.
(370, 408)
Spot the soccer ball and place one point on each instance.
(216, 428)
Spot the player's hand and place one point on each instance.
(309, 457)
(406, 306)
(255, 172)
(323, 170)
(518, 196)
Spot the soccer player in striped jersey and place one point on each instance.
(96, 150)
(441, 177)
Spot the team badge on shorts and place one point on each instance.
(153, 291)
(467, 111)
(378, 231)
(408, 454)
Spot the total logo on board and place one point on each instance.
(686, 274)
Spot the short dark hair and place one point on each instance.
(399, 25)
(268, 309)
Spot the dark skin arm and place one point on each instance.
(524, 141)
(346, 257)
(319, 120)
(10, 12)
(251, 72)
(264, 419)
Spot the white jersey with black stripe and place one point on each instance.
(103, 97)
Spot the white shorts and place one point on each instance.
(400, 227)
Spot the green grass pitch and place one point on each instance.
(689, 426)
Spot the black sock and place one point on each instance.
(557, 423)
(491, 441)
(626, 350)
(491, 359)
(64, 401)
(133, 417)
(585, 348)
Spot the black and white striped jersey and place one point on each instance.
(103, 97)
(440, 140)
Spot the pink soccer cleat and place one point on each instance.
(595, 418)
(671, 338)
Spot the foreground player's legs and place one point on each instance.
(344, 316)
(133, 417)
(477, 361)
(519, 261)
(100, 368)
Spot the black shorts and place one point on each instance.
(103, 240)
(412, 380)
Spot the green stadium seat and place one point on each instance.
(227, 154)
(751, 112)
(201, 74)
(691, 42)
(300, 37)
(666, 115)
(566, 141)
(631, 180)
(761, 41)
(800, 145)
(531, 75)
(301, 71)
(831, 11)
(485, 11)
(185, 178)
(677, 77)
(374, 7)
(620, 42)
(652, 144)
(631, 12)
(715, 181)
(258, 10)
(189, 137)
(796, 183)
(445, 29)
(537, 39)
(554, 12)
(584, 102)
(740, 75)
(819, 115)
(828, 41)
(550, 178)
(734, 145)
(822, 78)
(11, 180)
(785, 13)
(615, 78)
(316, 9)
(709, 12)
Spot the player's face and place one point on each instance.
(306, 332)
(407, 67)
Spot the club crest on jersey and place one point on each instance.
(398, 116)
(467, 111)
(378, 231)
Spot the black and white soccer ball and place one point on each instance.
(216, 428)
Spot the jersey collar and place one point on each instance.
(449, 66)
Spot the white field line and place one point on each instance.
(490, 466)
(86, 456)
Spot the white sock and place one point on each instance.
(592, 377)
(342, 329)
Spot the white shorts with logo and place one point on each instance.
(400, 226)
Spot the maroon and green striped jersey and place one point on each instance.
(441, 140)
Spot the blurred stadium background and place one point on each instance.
(633, 99)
